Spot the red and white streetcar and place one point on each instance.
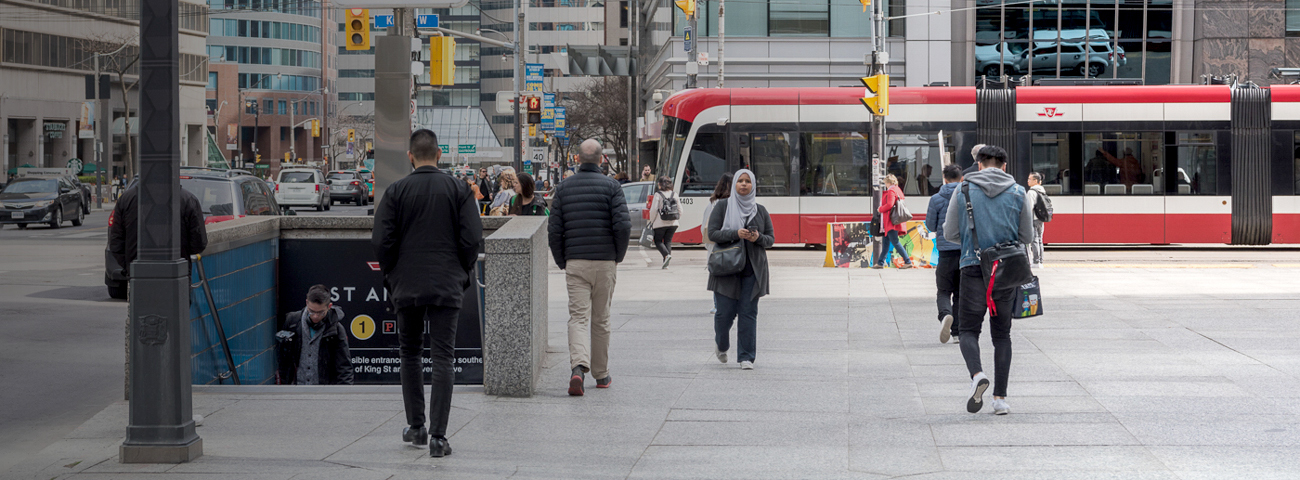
(1123, 164)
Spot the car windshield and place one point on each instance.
(33, 186)
(215, 196)
(297, 177)
(341, 176)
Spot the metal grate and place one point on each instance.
(995, 119)
(1252, 200)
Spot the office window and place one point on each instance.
(799, 18)
(1293, 18)
(268, 106)
(282, 110)
(212, 80)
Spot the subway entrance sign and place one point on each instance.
(348, 268)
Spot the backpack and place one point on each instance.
(668, 210)
(1043, 208)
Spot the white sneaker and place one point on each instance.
(945, 331)
(977, 387)
(666, 260)
(1000, 406)
(722, 356)
(746, 365)
(1036, 265)
(713, 311)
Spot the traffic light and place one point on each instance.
(357, 26)
(865, 4)
(442, 61)
(534, 110)
(687, 6)
(877, 99)
(352, 135)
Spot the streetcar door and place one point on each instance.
(1055, 156)
(1121, 203)
(770, 151)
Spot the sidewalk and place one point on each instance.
(1150, 373)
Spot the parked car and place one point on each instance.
(345, 186)
(50, 201)
(302, 187)
(368, 178)
(989, 59)
(222, 196)
(636, 194)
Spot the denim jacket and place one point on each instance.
(1002, 214)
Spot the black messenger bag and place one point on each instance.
(1005, 266)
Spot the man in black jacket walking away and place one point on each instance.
(313, 344)
(589, 233)
(426, 237)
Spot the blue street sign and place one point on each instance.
(688, 39)
(426, 21)
(383, 21)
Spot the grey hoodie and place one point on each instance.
(1003, 213)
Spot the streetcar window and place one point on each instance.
(1197, 173)
(671, 145)
(915, 161)
(835, 164)
(1122, 163)
(769, 156)
(706, 163)
(1051, 158)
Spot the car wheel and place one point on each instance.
(76, 222)
(327, 205)
(1093, 69)
(22, 226)
(320, 207)
(117, 291)
(992, 71)
(58, 218)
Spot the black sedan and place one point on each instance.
(51, 201)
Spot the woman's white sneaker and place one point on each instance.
(1000, 406)
(746, 365)
(722, 356)
(977, 387)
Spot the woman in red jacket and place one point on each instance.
(892, 195)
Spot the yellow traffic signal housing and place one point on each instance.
(878, 91)
(442, 61)
(356, 24)
(352, 135)
(687, 6)
(865, 4)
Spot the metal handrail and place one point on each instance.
(221, 331)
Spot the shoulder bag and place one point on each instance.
(1005, 266)
(727, 258)
(899, 214)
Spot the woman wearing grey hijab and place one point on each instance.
(739, 218)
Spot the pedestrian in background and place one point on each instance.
(947, 275)
(1001, 214)
(740, 218)
(426, 236)
(647, 175)
(892, 196)
(589, 228)
(501, 201)
(526, 200)
(720, 191)
(1036, 195)
(622, 178)
(664, 212)
(313, 344)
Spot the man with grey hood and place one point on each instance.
(1002, 213)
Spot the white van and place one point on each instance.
(302, 187)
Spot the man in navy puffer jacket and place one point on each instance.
(589, 232)
(947, 276)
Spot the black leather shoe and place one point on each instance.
(415, 436)
(439, 448)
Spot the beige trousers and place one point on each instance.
(591, 288)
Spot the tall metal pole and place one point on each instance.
(722, 37)
(161, 425)
(521, 48)
(99, 159)
(879, 62)
(692, 72)
(293, 130)
(633, 150)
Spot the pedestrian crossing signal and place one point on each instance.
(357, 28)
(534, 110)
(442, 61)
(865, 4)
(687, 6)
(877, 95)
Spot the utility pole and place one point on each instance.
(633, 98)
(160, 428)
(99, 154)
(879, 62)
(521, 48)
(722, 37)
(692, 65)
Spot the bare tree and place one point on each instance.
(120, 56)
(599, 110)
(364, 125)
